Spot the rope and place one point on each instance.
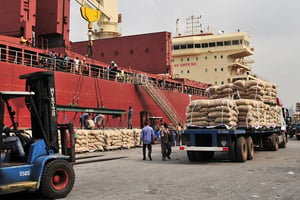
(97, 88)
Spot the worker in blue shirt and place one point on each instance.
(147, 137)
(83, 120)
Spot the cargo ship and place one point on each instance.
(153, 73)
(35, 37)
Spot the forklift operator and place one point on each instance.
(14, 140)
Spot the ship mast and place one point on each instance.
(193, 25)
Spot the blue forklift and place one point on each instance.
(34, 162)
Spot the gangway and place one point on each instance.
(163, 103)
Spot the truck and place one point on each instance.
(33, 161)
(201, 143)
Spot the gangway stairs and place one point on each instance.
(163, 103)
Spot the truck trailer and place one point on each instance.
(201, 143)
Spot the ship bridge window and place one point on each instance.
(227, 43)
(175, 47)
(183, 46)
(246, 43)
(235, 42)
(197, 46)
(204, 45)
(212, 44)
(190, 46)
(219, 44)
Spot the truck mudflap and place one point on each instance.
(193, 148)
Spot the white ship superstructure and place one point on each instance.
(212, 58)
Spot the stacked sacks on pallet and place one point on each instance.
(89, 140)
(81, 141)
(223, 111)
(298, 107)
(296, 117)
(251, 89)
(197, 113)
(254, 106)
(256, 114)
(212, 112)
(218, 92)
(113, 139)
(270, 93)
(100, 140)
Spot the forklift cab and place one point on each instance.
(41, 167)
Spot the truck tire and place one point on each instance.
(284, 141)
(250, 148)
(57, 180)
(274, 142)
(232, 152)
(298, 137)
(241, 149)
(191, 156)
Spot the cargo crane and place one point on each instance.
(108, 22)
(33, 162)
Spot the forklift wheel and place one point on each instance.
(58, 179)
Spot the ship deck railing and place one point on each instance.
(45, 61)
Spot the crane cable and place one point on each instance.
(97, 89)
(77, 91)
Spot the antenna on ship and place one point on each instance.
(177, 27)
(193, 25)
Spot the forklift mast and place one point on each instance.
(43, 107)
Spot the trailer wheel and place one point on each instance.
(250, 148)
(58, 179)
(284, 141)
(241, 149)
(191, 156)
(274, 142)
(232, 152)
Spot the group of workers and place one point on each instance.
(99, 120)
(147, 138)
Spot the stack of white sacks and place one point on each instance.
(108, 139)
(296, 115)
(249, 104)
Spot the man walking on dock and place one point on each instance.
(147, 137)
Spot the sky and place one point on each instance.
(273, 26)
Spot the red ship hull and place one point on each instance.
(115, 95)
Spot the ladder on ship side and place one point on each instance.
(163, 103)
